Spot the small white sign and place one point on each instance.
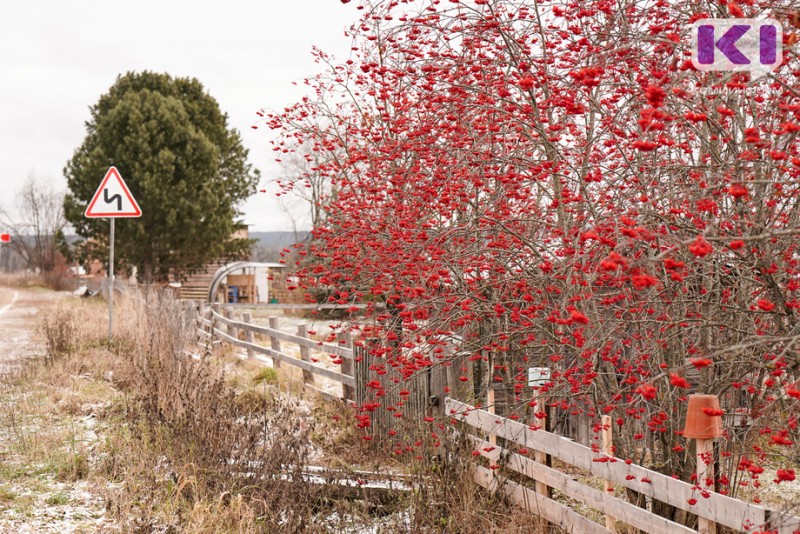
(113, 198)
(538, 376)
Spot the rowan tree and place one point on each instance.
(554, 184)
(186, 168)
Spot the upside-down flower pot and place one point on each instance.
(699, 423)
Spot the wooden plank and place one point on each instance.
(305, 354)
(607, 445)
(458, 388)
(704, 455)
(540, 406)
(492, 410)
(248, 336)
(437, 385)
(597, 499)
(553, 511)
(274, 342)
(785, 523)
(361, 373)
(289, 306)
(228, 314)
(348, 392)
(719, 508)
(214, 316)
(329, 348)
(333, 375)
(318, 346)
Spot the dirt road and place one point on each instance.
(20, 314)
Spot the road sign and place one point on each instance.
(113, 199)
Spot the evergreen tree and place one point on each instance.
(187, 170)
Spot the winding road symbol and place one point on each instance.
(113, 199)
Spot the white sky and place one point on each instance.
(57, 57)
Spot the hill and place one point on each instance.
(277, 239)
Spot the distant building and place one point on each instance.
(244, 282)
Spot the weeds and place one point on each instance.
(71, 467)
(57, 280)
(60, 331)
(7, 495)
(185, 448)
(194, 447)
(59, 499)
(266, 375)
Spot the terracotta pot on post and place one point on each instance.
(704, 427)
(700, 425)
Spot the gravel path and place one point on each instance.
(19, 309)
(31, 499)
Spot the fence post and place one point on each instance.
(492, 410)
(305, 354)
(215, 308)
(360, 370)
(274, 342)
(192, 314)
(189, 308)
(348, 394)
(248, 334)
(203, 313)
(541, 457)
(705, 471)
(607, 444)
(437, 390)
(437, 384)
(228, 313)
(459, 367)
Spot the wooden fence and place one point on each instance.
(524, 478)
(716, 508)
(215, 324)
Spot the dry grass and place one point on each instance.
(195, 450)
(21, 280)
(181, 446)
(57, 280)
(47, 436)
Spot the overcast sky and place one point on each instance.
(57, 58)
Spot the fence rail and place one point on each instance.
(720, 509)
(304, 306)
(208, 323)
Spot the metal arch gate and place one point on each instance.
(227, 269)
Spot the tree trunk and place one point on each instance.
(146, 277)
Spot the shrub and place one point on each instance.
(60, 330)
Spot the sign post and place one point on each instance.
(5, 237)
(538, 377)
(111, 281)
(112, 200)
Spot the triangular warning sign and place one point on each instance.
(113, 198)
